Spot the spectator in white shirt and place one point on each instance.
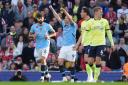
(19, 46)
(122, 11)
(14, 2)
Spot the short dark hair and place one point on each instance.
(85, 9)
(38, 15)
(124, 4)
(97, 8)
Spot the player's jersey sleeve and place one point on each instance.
(62, 23)
(107, 27)
(32, 29)
(50, 28)
(75, 25)
(109, 33)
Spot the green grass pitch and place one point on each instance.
(60, 83)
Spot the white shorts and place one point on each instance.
(38, 53)
(67, 53)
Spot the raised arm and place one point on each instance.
(55, 14)
(68, 15)
(78, 43)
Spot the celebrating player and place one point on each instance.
(69, 39)
(40, 31)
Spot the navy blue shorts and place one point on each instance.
(97, 51)
(87, 49)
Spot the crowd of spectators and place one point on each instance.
(17, 17)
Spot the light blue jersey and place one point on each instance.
(69, 33)
(41, 31)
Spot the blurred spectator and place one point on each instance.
(1, 7)
(122, 11)
(126, 37)
(122, 51)
(19, 63)
(62, 3)
(15, 2)
(59, 39)
(121, 26)
(13, 33)
(6, 41)
(29, 5)
(32, 65)
(8, 14)
(9, 52)
(20, 11)
(85, 3)
(36, 1)
(12, 66)
(69, 5)
(55, 4)
(2, 53)
(28, 53)
(125, 72)
(92, 4)
(54, 23)
(18, 27)
(47, 15)
(104, 4)
(25, 67)
(112, 59)
(104, 67)
(35, 10)
(29, 20)
(1, 66)
(116, 4)
(43, 5)
(5, 65)
(18, 77)
(52, 62)
(75, 9)
(19, 46)
(25, 33)
(111, 17)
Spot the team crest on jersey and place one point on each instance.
(36, 26)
